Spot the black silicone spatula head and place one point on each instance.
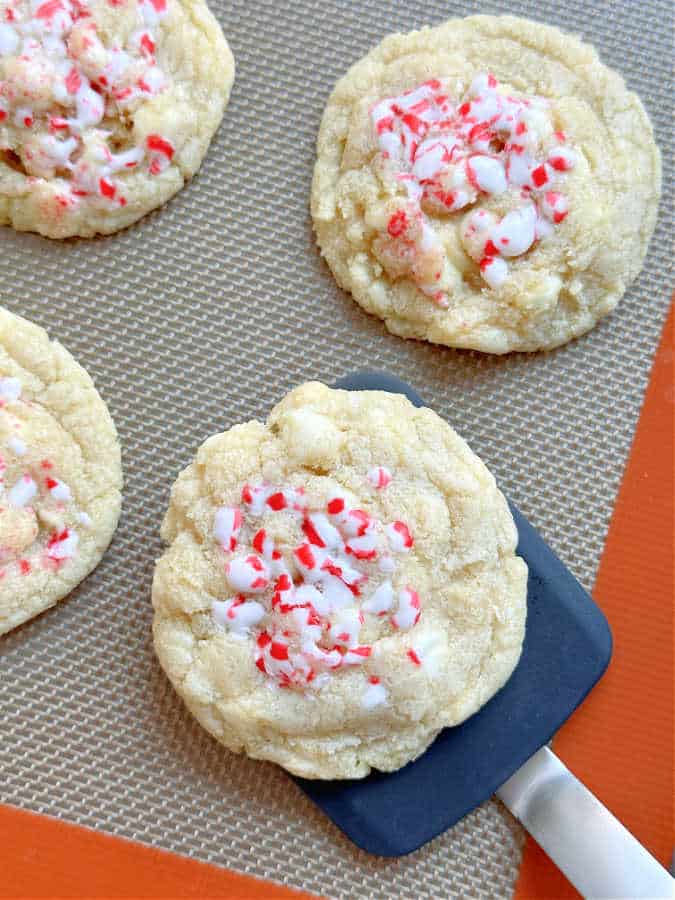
(567, 648)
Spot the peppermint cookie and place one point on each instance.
(341, 584)
(107, 108)
(488, 183)
(60, 472)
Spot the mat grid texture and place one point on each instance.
(204, 315)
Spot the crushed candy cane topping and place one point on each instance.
(307, 607)
(448, 154)
(65, 94)
(30, 496)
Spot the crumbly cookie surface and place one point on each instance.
(487, 183)
(107, 107)
(340, 584)
(60, 472)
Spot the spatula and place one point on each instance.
(502, 749)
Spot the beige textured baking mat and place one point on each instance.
(204, 315)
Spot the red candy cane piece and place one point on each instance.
(161, 150)
(356, 522)
(398, 224)
(555, 207)
(158, 144)
(539, 176)
(147, 44)
(279, 650)
(277, 501)
(48, 9)
(106, 188)
(61, 545)
(356, 656)
(305, 556)
(562, 159)
(414, 658)
(311, 534)
(73, 81)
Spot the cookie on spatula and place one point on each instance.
(340, 584)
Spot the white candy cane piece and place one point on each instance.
(330, 658)
(554, 206)
(59, 491)
(480, 84)
(485, 107)
(349, 575)
(307, 594)
(386, 564)
(562, 159)
(374, 695)
(494, 271)
(336, 594)
(380, 477)
(22, 492)
(355, 522)
(90, 106)
(255, 497)
(488, 173)
(543, 228)
(62, 545)
(518, 169)
(428, 653)
(10, 390)
(515, 233)
(320, 532)
(364, 547)
(17, 446)
(356, 656)
(302, 668)
(238, 615)
(408, 612)
(399, 537)
(227, 525)
(429, 159)
(345, 627)
(380, 601)
(127, 160)
(248, 574)
(9, 40)
(303, 622)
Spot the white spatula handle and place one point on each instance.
(587, 843)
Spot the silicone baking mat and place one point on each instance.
(204, 315)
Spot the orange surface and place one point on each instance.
(44, 857)
(620, 742)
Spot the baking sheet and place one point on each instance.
(203, 315)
